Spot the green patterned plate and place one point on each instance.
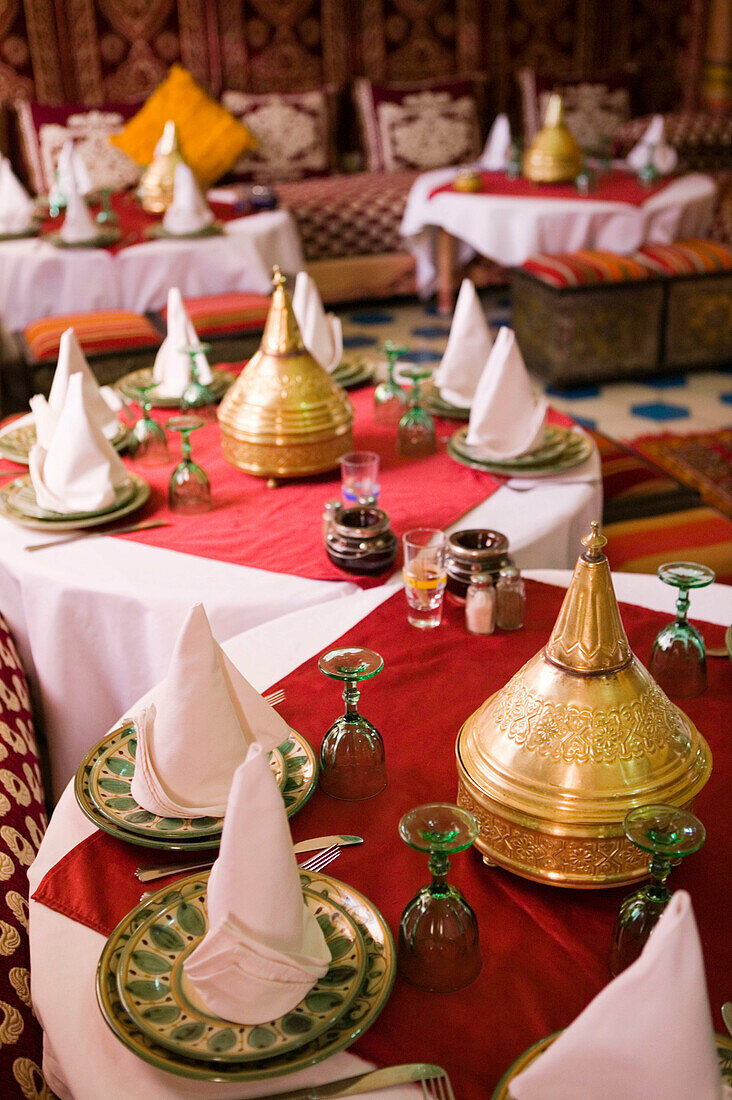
(16, 440)
(577, 449)
(31, 231)
(354, 369)
(553, 443)
(128, 386)
(503, 1092)
(103, 239)
(159, 232)
(115, 812)
(438, 406)
(370, 1000)
(160, 1000)
(13, 496)
(23, 502)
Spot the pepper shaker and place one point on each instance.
(510, 599)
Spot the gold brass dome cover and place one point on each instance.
(554, 155)
(285, 416)
(155, 189)
(552, 762)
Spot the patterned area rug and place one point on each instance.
(701, 461)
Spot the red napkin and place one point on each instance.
(615, 187)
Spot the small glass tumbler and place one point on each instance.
(189, 489)
(360, 478)
(352, 758)
(438, 932)
(678, 660)
(425, 575)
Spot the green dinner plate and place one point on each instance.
(111, 807)
(438, 406)
(159, 232)
(31, 231)
(553, 444)
(355, 369)
(370, 1000)
(128, 386)
(577, 449)
(161, 1001)
(103, 239)
(16, 441)
(14, 498)
(23, 502)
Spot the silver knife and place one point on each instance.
(727, 1015)
(149, 874)
(364, 1082)
(146, 526)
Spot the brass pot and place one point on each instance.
(155, 189)
(553, 156)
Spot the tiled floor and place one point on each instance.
(624, 410)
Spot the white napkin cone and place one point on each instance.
(497, 146)
(45, 420)
(264, 950)
(467, 351)
(78, 224)
(665, 157)
(322, 333)
(189, 212)
(646, 1034)
(71, 360)
(506, 418)
(79, 470)
(196, 731)
(16, 205)
(172, 367)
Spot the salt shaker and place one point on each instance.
(510, 599)
(480, 604)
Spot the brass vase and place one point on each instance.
(155, 189)
(552, 762)
(285, 416)
(553, 156)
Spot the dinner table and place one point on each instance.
(544, 949)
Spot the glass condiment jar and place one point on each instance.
(330, 513)
(480, 604)
(510, 599)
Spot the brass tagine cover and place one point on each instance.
(553, 156)
(285, 416)
(155, 189)
(552, 762)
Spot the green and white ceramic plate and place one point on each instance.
(576, 449)
(503, 1091)
(15, 502)
(103, 239)
(355, 369)
(160, 1000)
(158, 232)
(17, 439)
(438, 406)
(128, 386)
(370, 1000)
(31, 231)
(106, 799)
(553, 444)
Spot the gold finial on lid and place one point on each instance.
(281, 334)
(594, 543)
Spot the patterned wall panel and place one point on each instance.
(30, 64)
(414, 39)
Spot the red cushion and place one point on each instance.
(219, 314)
(22, 824)
(691, 257)
(98, 332)
(588, 267)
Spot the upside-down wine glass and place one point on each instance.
(189, 489)
(438, 931)
(667, 833)
(148, 443)
(678, 660)
(106, 216)
(197, 396)
(352, 759)
(390, 400)
(416, 427)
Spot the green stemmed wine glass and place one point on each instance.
(197, 395)
(678, 658)
(390, 400)
(649, 173)
(148, 443)
(668, 833)
(107, 216)
(189, 489)
(352, 759)
(416, 427)
(438, 931)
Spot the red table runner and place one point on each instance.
(544, 949)
(615, 187)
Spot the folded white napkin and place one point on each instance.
(16, 205)
(264, 950)
(79, 470)
(495, 154)
(172, 367)
(506, 418)
(44, 419)
(195, 733)
(189, 212)
(653, 144)
(647, 1034)
(467, 351)
(78, 225)
(322, 333)
(71, 360)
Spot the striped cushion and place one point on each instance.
(686, 257)
(98, 332)
(587, 267)
(220, 314)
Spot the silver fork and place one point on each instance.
(275, 697)
(442, 1088)
(427, 1076)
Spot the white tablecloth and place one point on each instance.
(95, 622)
(84, 1060)
(509, 229)
(38, 279)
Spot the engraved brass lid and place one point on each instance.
(554, 155)
(155, 189)
(285, 416)
(581, 734)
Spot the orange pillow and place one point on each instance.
(211, 139)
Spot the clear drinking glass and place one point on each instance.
(425, 575)
(148, 443)
(416, 427)
(360, 477)
(668, 833)
(352, 759)
(189, 489)
(678, 660)
(438, 932)
(390, 400)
